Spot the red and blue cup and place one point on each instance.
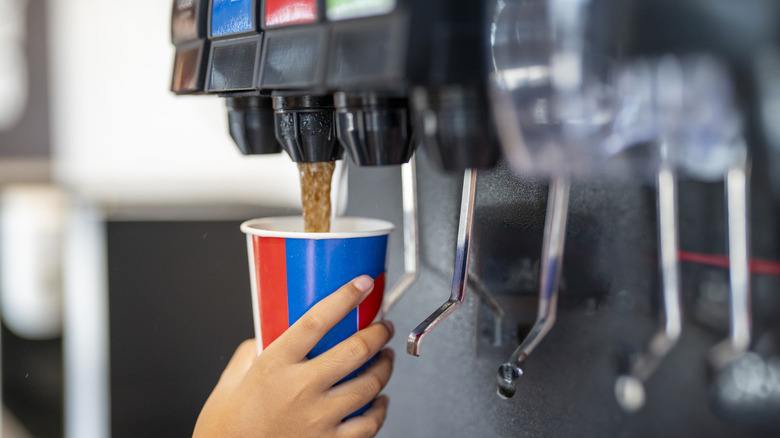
(292, 270)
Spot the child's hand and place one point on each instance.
(282, 394)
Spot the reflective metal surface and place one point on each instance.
(550, 275)
(461, 270)
(411, 244)
(740, 318)
(630, 389)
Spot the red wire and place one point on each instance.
(768, 267)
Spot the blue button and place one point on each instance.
(231, 16)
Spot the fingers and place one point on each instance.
(353, 394)
(241, 361)
(366, 425)
(352, 353)
(293, 345)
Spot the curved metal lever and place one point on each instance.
(737, 195)
(629, 389)
(552, 260)
(490, 302)
(411, 243)
(461, 271)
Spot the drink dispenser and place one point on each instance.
(289, 57)
(569, 109)
(270, 61)
(373, 77)
(568, 90)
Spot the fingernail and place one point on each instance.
(364, 284)
(390, 353)
(390, 326)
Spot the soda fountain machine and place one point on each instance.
(619, 123)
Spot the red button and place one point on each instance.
(278, 12)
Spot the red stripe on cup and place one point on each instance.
(368, 309)
(271, 287)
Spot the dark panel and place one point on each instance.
(232, 66)
(292, 58)
(365, 51)
(33, 383)
(179, 306)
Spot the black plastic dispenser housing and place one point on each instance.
(305, 127)
(188, 34)
(455, 126)
(374, 129)
(251, 124)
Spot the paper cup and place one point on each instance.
(292, 270)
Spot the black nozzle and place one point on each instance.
(374, 129)
(454, 125)
(508, 375)
(305, 128)
(251, 124)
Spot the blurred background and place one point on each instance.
(96, 157)
(123, 274)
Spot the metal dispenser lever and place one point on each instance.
(461, 271)
(490, 302)
(737, 191)
(411, 245)
(703, 147)
(629, 389)
(549, 280)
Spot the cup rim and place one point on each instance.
(365, 227)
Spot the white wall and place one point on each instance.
(119, 135)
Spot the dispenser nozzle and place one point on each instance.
(454, 125)
(374, 128)
(305, 127)
(251, 124)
